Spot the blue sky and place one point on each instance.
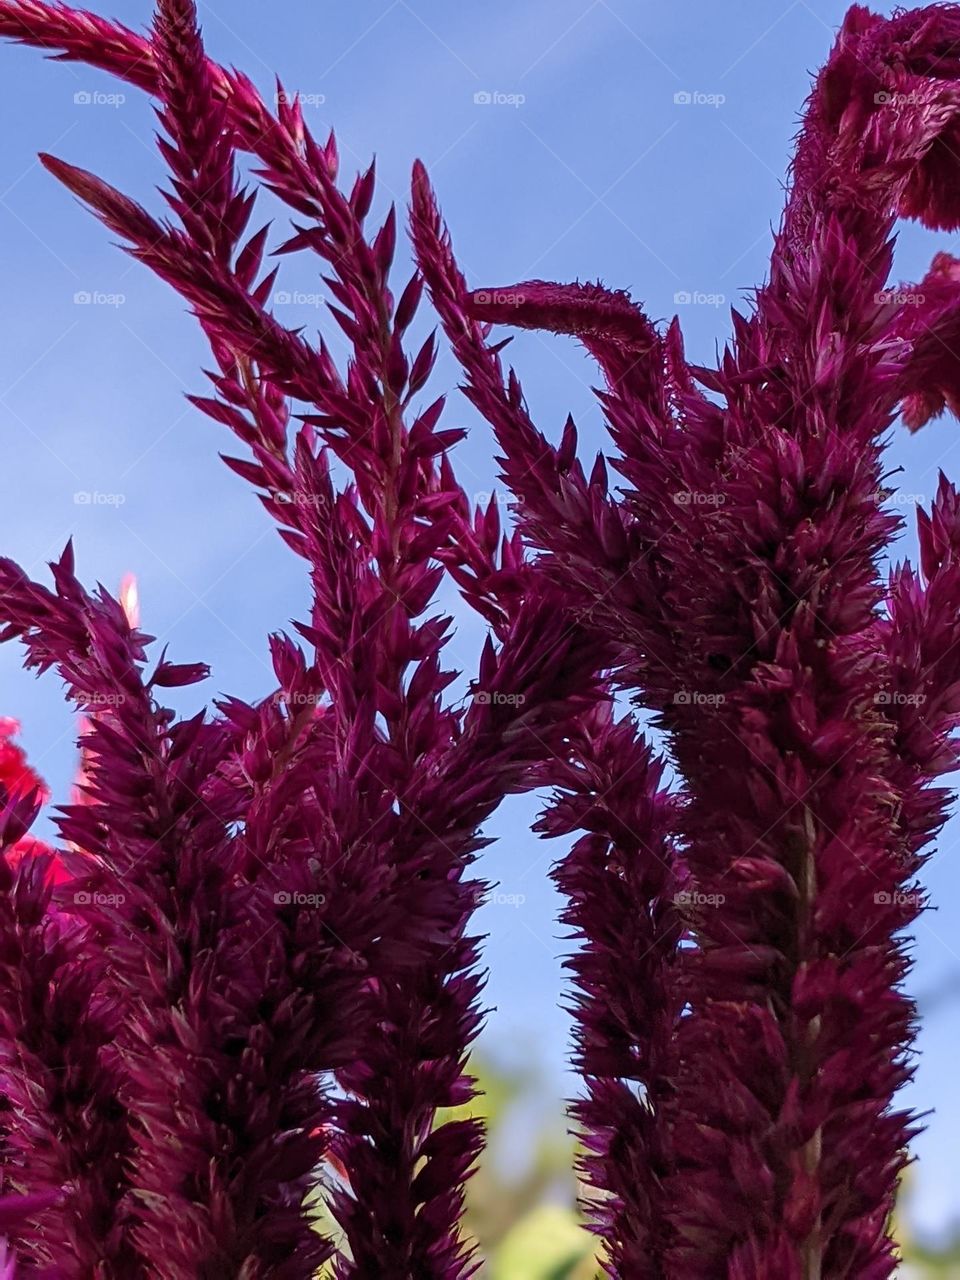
(558, 148)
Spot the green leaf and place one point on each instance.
(548, 1244)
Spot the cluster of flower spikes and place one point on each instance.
(271, 905)
(807, 713)
(741, 1067)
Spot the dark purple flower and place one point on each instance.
(296, 875)
(739, 573)
(65, 1138)
(344, 792)
(626, 901)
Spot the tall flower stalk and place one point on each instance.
(287, 885)
(623, 881)
(740, 572)
(60, 1123)
(345, 789)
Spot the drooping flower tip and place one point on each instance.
(582, 309)
(929, 321)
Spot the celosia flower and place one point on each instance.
(624, 883)
(740, 574)
(742, 1064)
(64, 1133)
(344, 790)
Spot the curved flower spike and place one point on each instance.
(623, 885)
(883, 122)
(930, 321)
(607, 321)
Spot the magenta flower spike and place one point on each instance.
(344, 790)
(263, 972)
(624, 883)
(65, 1136)
(739, 572)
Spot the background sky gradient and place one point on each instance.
(642, 144)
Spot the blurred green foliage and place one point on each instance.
(525, 1221)
(521, 1203)
(922, 1261)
